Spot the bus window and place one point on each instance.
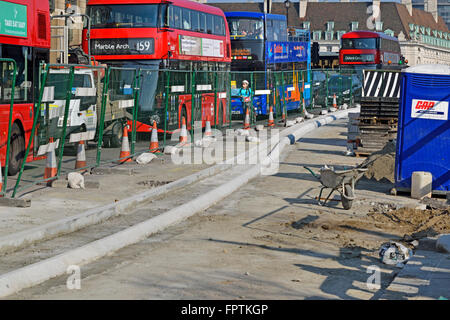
(217, 25)
(359, 43)
(186, 18)
(203, 22)
(209, 23)
(269, 24)
(195, 26)
(127, 16)
(283, 31)
(175, 17)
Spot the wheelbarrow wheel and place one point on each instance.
(346, 203)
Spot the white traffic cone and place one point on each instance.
(208, 132)
(81, 156)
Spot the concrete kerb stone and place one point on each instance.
(19, 240)
(39, 272)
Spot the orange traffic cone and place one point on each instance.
(183, 133)
(51, 168)
(247, 120)
(125, 151)
(283, 116)
(271, 123)
(334, 101)
(81, 156)
(208, 132)
(154, 145)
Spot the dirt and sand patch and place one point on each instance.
(381, 164)
(379, 226)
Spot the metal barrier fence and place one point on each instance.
(7, 93)
(86, 110)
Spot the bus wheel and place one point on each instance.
(115, 140)
(17, 150)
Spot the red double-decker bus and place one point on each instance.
(175, 35)
(369, 50)
(25, 38)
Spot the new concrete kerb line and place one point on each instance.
(42, 271)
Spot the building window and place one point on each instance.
(329, 35)
(330, 25)
(379, 25)
(306, 25)
(339, 34)
(411, 26)
(354, 25)
(317, 35)
(389, 32)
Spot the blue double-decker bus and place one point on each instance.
(261, 42)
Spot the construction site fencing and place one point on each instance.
(345, 85)
(82, 113)
(8, 91)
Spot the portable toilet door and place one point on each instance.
(423, 137)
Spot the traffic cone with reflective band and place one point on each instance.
(125, 151)
(334, 101)
(270, 123)
(247, 120)
(154, 144)
(51, 169)
(183, 134)
(208, 132)
(81, 155)
(283, 116)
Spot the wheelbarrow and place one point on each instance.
(343, 181)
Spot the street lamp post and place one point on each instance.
(287, 4)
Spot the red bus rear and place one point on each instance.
(175, 35)
(369, 50)
(24, 37)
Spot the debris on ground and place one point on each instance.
(145, 158)
(416, 223)
(394, 253)
(381, 164)
(76, 180)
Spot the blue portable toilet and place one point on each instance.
(423, 137)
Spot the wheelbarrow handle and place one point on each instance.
(315, 176)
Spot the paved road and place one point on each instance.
(269, 240)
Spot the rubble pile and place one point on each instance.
(381, 164)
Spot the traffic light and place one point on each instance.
(403, 61)
(315, 53)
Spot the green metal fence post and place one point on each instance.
(215, 101)
(284, 95)
(66, 115)
(228, 86)
(136, 86)
(33, 130)
(8, 141)
(102, 114)
(326, 97)
(350, 103)
(166, 113)
(252, 94)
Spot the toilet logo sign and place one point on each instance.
(429, 109)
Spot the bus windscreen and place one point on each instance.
(359, 43)
(124, 16)
(245, 28)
